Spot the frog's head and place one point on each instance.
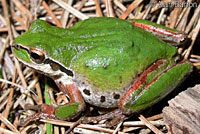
(31, 49)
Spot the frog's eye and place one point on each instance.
(37, 55)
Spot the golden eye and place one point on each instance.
(36, 55)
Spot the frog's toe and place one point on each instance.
(111, 123)
(115, 121)
(115, 116)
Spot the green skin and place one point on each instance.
(109, 54)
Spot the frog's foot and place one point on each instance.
(45, 112)
(117, 116)
(68, 111)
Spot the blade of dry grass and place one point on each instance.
(194, 17)
(73, 17)
(3, 48)
(24, 84)
(92, 127)
(5, 131)
(9, 104)
(149, 125)
(122, 7)
(65, 15)
(71, 9)
(193, 38)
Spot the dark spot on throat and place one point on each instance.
(116, 96)
(103, 99)
(87, 92)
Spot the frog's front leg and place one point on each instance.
(67, 111)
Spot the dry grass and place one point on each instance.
(19, 83)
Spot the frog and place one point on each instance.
(105, 62)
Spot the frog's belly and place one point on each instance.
(106, 99)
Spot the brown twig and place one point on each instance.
(8, 106)
(6, 15)
(98, 9)
(109, 8)
(24, 11)
(155, 117)
(149, 125)
(132, 6)
(18, 19)
(8, 124)
(194, 17)
(65, 123)
(5, 29)
(44, 4)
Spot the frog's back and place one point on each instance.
(118, 53)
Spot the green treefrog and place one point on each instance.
(106, 62)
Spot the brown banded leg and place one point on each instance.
(154, 84)
(139, 83)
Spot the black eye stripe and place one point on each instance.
(55, 66)
(17, 46)
(68, 72)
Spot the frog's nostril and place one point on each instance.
(16, 46)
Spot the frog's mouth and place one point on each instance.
(40, 61)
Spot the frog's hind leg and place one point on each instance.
(67, 111)
(124, 111)
(153, 85)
